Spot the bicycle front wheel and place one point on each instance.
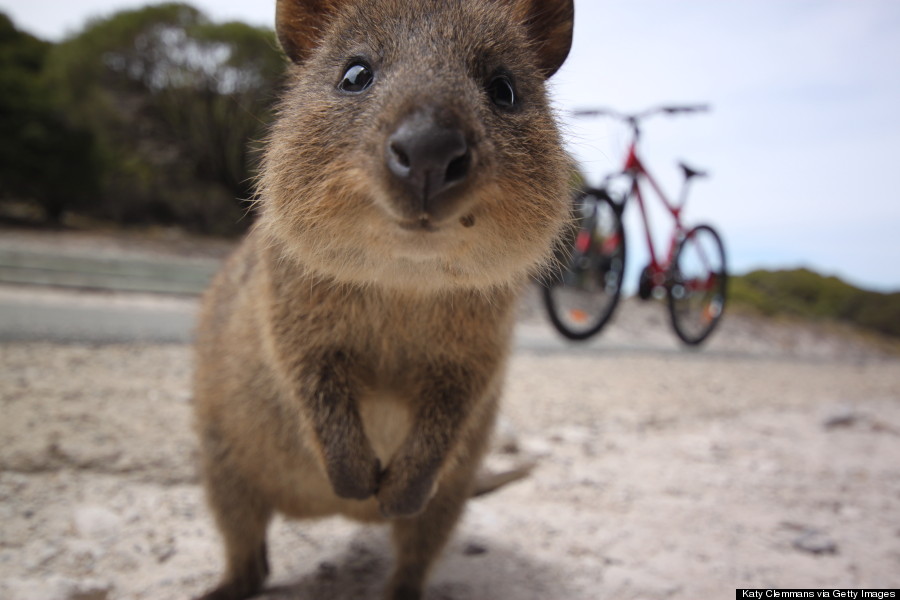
(697, 284)
(582, 297)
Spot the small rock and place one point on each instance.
(815, 542)
(474, 549)
(845, 417)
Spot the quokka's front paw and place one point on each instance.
(401, 495)
(356, 477)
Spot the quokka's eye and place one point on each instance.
(357, 78)
(501, 91)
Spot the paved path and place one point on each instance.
(80, 294)
(67, 289)
(104, 271)
(32, 313)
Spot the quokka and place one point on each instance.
(351, 352)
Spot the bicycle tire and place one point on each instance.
(697, 285)
(583, 294)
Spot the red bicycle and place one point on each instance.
(581, 296)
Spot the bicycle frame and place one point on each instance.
(635, 170)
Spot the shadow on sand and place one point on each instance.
(470, 568)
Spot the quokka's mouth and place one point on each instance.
(423, 223)
(428, 224)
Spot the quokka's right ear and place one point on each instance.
(300, 23)
(550, 24)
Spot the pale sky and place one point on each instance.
(802, 144)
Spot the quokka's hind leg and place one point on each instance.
(243, 582)
(242, 516)
(419, 540)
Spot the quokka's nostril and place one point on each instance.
(400, 155)
(457, 169)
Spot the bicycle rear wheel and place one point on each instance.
(697, 284)
(582, 296)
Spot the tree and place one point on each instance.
(42, 158)
(175, 103)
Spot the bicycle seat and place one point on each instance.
(689, 172)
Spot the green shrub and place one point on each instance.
(804, 293)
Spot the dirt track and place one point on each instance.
(770, 459)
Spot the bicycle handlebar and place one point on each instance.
(633, 118)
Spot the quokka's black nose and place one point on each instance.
(427, 158)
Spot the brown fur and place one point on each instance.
(351, 353)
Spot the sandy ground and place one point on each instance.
(769, 459)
